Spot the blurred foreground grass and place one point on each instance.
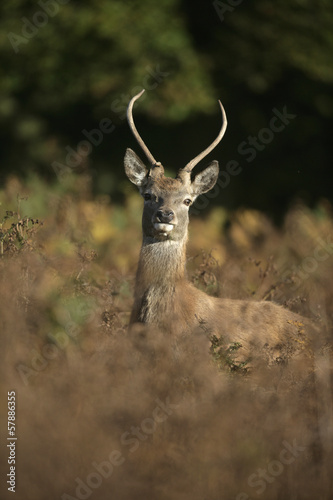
(67, 271)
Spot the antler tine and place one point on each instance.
(134, 130)
(189, 167)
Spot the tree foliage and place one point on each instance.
(66, 65)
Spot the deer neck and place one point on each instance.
(161, 265)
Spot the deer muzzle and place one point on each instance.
(164, 216)
(162, 221)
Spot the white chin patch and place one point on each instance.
(163, 228)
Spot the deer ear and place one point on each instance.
(206, 179)
(135, 169)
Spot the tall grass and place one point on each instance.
(104, 414)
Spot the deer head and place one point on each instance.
(167, 200)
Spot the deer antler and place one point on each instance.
(183, 172)
(136, 134)
(189, 167)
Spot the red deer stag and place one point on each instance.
(163, 295)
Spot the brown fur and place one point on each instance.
(164, 298)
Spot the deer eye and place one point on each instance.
(147, 196)
(187, 202)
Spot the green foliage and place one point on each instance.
(89, 52)
(225, 356)
(277, 37)
(65, 66)
(15, 236)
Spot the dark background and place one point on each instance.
(65, 66)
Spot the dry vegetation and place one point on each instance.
(101, 414)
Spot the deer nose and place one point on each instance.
(164, 215)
